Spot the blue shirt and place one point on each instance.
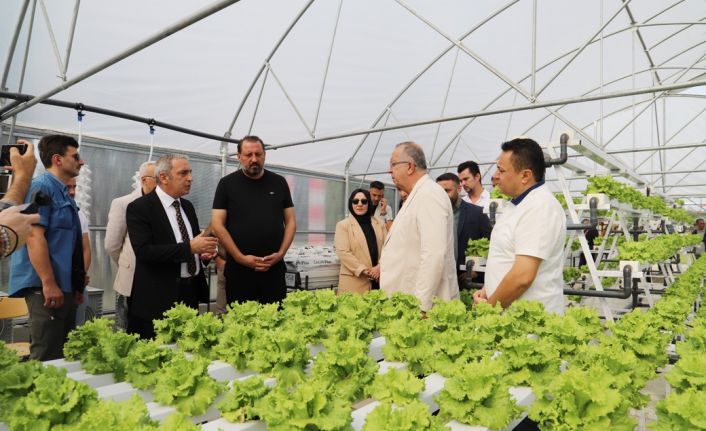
(62, 229)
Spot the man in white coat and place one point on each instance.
(117, 243)
(418, 253)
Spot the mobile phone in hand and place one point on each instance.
(5, 153)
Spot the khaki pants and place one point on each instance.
(221, 302)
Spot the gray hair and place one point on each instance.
(414, 152)
(144, 166)
(164, 164)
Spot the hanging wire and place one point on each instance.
(151, 125)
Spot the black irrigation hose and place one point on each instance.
(19, 98)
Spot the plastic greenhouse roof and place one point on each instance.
(333, 85)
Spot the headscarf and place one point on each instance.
(365, 222)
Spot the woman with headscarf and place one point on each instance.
(358, 241)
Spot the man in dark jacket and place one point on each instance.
(470, 222)
(169, 247)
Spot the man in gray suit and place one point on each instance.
(117, 243)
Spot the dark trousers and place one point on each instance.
(245, 284)
(48, 327)
(144, 326)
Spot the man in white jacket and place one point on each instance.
(418, 254)
(117, 243)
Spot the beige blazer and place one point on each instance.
(418, 255)
(352, 251)
(117, 243)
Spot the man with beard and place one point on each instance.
(253, 218)
(469, 223)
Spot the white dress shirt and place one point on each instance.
(483, 200)
(167, 202)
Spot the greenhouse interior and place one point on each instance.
(489, 215)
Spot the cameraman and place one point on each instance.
(15, 226)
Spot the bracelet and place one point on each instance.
(5, 236)
(5, 240)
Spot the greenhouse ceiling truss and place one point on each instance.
(668, 82)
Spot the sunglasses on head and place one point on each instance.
(361, 201)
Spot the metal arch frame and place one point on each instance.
(484, 113)
(15, 108)
(538, 122)
(533, 69)
(459, 45)
(24, 63)
(13, 45)
(404, 89)
(503, 93)
(265, 64)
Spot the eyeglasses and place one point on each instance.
(361, 201)
(392, 164)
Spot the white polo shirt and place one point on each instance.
(534, 226)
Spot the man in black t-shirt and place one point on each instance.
(253, 217)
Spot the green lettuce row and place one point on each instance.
(478, 395)
(345, 368)
(308, 406)
(239, 403)
(656, 249)
(99, 348)
(628, 195)
(412, 416)
(478, 247)
(399, 387)
(185, 384)
(171, 327)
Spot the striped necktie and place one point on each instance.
(191, 263)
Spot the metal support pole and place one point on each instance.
(571, 210)
(328, 64)
(70, 42)
(257, 103)
(13, 45)
(583, 47)
(266, 62)
(24, 64)
(347, 175)
(224, 155)
(488, 112)
(181, 24)
(533, 86)
(52, 38)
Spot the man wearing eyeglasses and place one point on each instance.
(418, 254)
(117, 242)
(49, 271)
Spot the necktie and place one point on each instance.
(190, 264)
